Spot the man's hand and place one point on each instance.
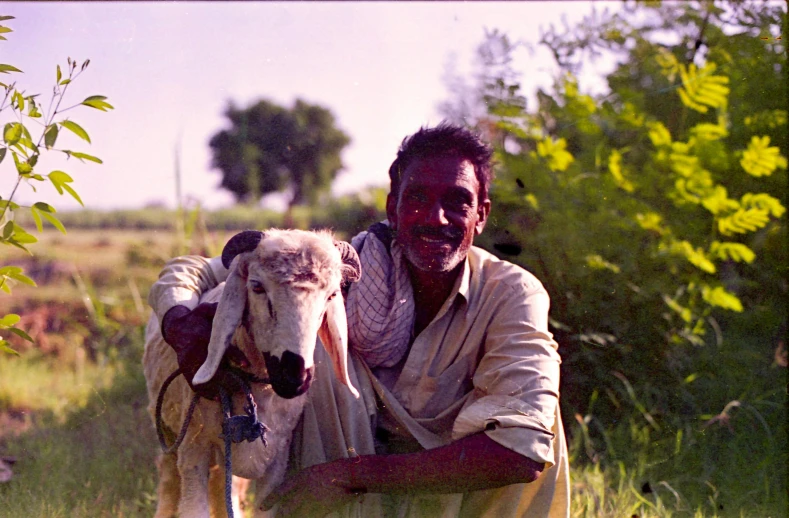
(315, 491)
(188, 332)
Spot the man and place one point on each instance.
(451, 351)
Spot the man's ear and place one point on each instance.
(391, 210)
(482, 216)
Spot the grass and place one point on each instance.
(97, 461)
(72, 408)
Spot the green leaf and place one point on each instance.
(22, 167)
(743, 221)
(98, 102)
(36, 219)
(8, 230)
(59, 75)
(21, 236)
(58, 179)
(76, 129)
(763, 201)
(50, 135)
(83, 156)
(44, 207)
(4, 69)
(20, 334)
(695, 256)
(4, 29)
(685, 313)
(721, 298)
(558, 158)
(5, 348)
(6, 17)
(73, 193)
(597, 262)
(615, 167)
(8, 203)
(9, 320)
(701, 89)
(734, 251)
(12, 133)
(55, 221)
(760, 159)
(2, 153)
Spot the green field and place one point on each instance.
(72, 405)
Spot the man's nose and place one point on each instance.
(436, 214)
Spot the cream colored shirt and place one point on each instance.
(487, 362)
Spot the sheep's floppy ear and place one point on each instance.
(242, 242)
(334, 336)
(351, 266)
(227, 319)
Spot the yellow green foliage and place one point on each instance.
(734, 251)
(555, 153)
(718, 296)
(615, 166)
(761, 159)
(701, 89)
(596, 262)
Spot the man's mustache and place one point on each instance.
(449, 233)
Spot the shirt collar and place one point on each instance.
(462, 283)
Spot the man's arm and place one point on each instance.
(185, 325)
(473, 463)
(182, 281)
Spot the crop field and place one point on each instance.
(77, 438)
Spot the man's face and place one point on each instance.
(437, 212)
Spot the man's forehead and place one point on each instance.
(449, 170)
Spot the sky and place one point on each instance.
(170, 69)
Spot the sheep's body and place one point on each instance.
(191, 481)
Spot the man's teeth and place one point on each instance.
(432, 239)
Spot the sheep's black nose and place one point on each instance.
(288, 376)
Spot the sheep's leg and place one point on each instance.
(169, 489)
(216, 493)
(194, 465)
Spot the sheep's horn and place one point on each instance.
(352, 267)
(242, 242)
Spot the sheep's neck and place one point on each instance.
(431, 290)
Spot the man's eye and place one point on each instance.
(416, 197)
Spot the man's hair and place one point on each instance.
(446, 139)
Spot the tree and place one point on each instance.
(654, 211)
(24, 150)
(653, 214)
(269, 148)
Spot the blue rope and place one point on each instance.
(159, 426)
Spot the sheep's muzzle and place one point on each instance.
(288, 376)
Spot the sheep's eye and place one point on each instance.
(257, 287)
(333, 295)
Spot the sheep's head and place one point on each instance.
(284, 286)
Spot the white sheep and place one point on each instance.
(282, 290)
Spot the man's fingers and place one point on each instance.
(205, 310)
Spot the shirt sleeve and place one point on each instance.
(183, 280)
(516, 385)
